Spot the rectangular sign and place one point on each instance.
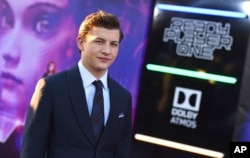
(191, 76)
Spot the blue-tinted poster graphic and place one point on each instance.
(38, 38)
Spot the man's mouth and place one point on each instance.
(104, 59)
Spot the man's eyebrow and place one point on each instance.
(106, 40)
(115, 41)
(99, 38)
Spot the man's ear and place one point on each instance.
(80, 43)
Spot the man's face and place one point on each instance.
(32, 32)
(99, 49)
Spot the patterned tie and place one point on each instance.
(97, 114)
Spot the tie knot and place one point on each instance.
(98, 84)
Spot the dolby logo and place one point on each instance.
(186, 98)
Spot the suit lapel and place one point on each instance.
(77, 95)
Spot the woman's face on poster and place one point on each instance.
(32, 33)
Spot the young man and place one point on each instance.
(59, 122)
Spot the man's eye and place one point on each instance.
(115, 44)
(99, 42)
(45, 24)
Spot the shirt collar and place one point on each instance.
(88, 78)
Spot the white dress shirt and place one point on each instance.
(87, 80)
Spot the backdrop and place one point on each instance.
(34, 33)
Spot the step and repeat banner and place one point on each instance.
(191, 79)
(39, 36)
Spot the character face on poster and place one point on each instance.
(31, 35)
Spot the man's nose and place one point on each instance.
(107, 48)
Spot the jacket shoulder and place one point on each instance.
(60, 77)
(114, 85)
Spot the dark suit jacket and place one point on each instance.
(58, 124)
